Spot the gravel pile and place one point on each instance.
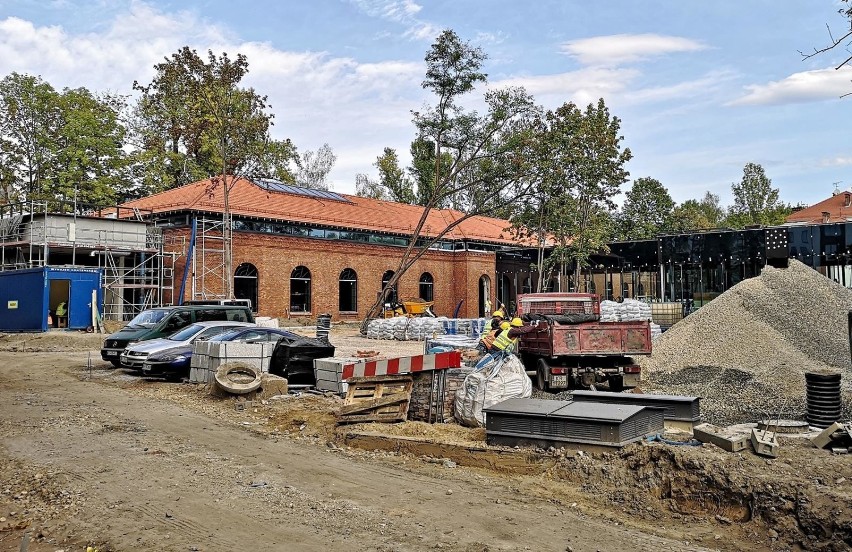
(746, 352)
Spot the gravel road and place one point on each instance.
(87, 463)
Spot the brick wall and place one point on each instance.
(430, 397)
(456, 275)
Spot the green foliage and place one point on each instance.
(698, 214)
(647, 210)
(481, 161)
(60, 146)
(755, 200)
(580, 166)
(194, 121)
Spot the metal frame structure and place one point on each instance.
(137, 272)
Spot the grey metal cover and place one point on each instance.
(677, 407)
(529, 407)
(524, 421)
(598, 412)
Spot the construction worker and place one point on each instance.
(506, 340)
(486, 343)
(61, 312)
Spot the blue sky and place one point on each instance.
(702, 88)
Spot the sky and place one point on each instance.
(701, 88)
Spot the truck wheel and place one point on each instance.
(541, 375)
(616, 383)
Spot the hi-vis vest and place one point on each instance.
(504, 342)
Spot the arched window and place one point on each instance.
(300, 290)
(348, 291)
(427, 284)
(392, 296)
(245, 284)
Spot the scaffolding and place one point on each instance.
(209, 280)
(137, 273)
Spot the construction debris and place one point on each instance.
(836, 435)
(728, 439)
(764, 442)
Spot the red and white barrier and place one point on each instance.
(404, 365)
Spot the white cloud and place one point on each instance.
(582, 87)
(403, 12)
(838, 161)
(625, 48)
(807, 86)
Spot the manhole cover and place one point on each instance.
(783, 426)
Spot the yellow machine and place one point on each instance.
(409, 308)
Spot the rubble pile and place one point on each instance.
(746, 352)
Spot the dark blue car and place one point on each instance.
(175, 362)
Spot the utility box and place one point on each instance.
(28, 295)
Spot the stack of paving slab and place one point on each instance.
(207, 356)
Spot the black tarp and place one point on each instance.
(293, 357)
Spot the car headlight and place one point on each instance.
(170, 357)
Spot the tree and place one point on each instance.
(700, 214)
(755, 200)
(393, 184)
(423, 170)
(314, 168)
(29, 127)
(90, 161)
(194, 121)
(581, 166)
(844, 37)
(490, 152)
(57, 147)
(194, 111)
(647, 210)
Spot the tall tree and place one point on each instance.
(314, 167)
(91, 161)
(581, 163)
(29, 128)
(197, 111)
(701, 214)
(755, 200)
(195, 121)
(647, 210)
(490, 152)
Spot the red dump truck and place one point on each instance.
(573, 348)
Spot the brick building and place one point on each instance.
(299, 252)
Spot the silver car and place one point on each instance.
(136, 354)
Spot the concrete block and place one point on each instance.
(729, 440)
(824, 438)
(764, 443)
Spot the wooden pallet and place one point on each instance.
(376, 399)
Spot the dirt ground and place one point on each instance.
(96, 456)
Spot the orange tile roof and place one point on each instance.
(838, 207)
(250, 200)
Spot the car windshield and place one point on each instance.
(187, 333)
(227, 336)
(147, 319)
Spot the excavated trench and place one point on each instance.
(669, 482)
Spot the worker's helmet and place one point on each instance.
(517, 322)
(505, 326)
(498, 314)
